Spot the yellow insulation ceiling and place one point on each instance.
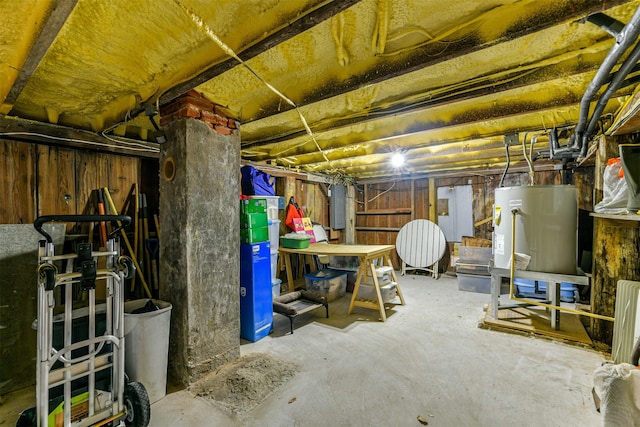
(441, 82)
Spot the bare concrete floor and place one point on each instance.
(429, 360)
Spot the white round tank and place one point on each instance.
(546, 227)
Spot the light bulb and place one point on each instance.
(397, 160)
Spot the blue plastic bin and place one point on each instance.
(256, 306)
(526, 288)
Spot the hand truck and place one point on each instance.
(80, 377)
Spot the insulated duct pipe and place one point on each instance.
(607, 23)
(625, 38)
(615, 84)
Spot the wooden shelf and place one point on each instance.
(386, 212)
(621, 217)
(377, 229)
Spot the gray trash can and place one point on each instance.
(147, 345)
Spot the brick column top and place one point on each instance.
(194, 105)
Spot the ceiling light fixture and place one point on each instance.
(397, 160)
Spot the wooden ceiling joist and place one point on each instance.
(305, 22)
(47, 134)
(422, 59)
(58, 17)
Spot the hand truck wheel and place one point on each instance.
(126, 265)
(136, 402)
(47, 273)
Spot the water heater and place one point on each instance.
(546, 227)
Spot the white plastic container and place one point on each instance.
(273, 205)
(388, 292)
(274, 233)
(274, 265)
(147, 346)
(474, 283)
(344, 262)
(383, 274)
(275, 288)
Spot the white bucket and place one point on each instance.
(147, 346)
(275, 288)
(274, 265)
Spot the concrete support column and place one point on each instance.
(199, 237)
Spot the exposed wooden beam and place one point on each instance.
(490, 121)
(296, 27)
(461, 170)
(433, 201)
(448, 152)
(556, 13)
(545, 76)
(514, 100)
(56, 20)
(479, 171)
(47, 134)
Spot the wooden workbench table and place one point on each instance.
(367, 254)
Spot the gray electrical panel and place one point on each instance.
(337, 207)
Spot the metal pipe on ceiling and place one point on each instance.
(624, 39)
(615, 84)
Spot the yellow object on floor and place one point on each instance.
(537, 320)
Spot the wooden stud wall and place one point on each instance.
(382, 209)
(616, 250)
(312, 197)
(380, 214)
(17, 183)
(56, 183)
(47, 180)
(615, 257)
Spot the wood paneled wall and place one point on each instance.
(40, 180)
(46, 180)
(312, 197)
(17, 183)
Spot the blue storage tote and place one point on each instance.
(328, 283)
(256, 309)
(526, 288)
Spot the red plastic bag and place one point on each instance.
(293, 211)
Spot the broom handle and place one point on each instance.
(107, 196)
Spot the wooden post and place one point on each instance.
(289, 189)
(616, 244)
(350, 213)
(413, 199)
(615, 257)
(433, 201)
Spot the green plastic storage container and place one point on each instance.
(253, 206)
(295, 243)
(254, 220)
(254, 235)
